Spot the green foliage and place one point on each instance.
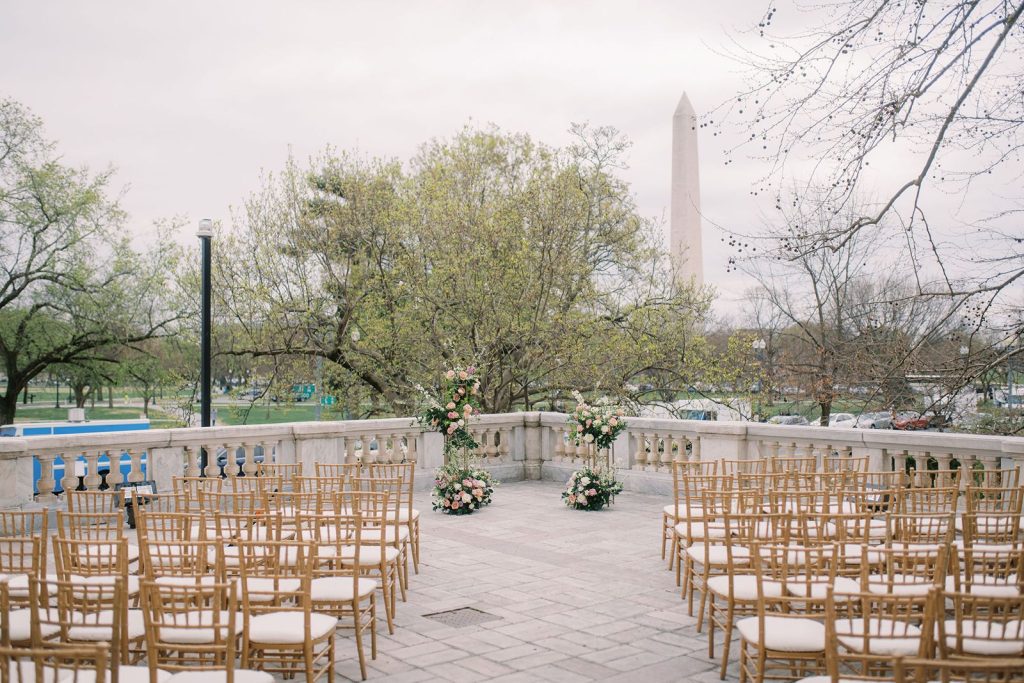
(72, 288)
(451, 413)
(530, 259)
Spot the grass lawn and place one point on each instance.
(157, 420)
(262, 414)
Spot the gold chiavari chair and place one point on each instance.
(993, 571)
(991, 670)
(865, 631)
(232, 530)
(261, 486)
(734, 593)
(194, 632)
(708, 551)
(230, 502)
(838, 464)
(937, 479)
(282, 634)
(982, 626)
(78, 664)
(674, 513)
(407, 515)
(21, 559)
(337, 587)
(24, 522)
(1008, 478)
(377, 559)
(691, 527)
(782, 465)
(781, 638)
(86, 613)
(396, 534)
(191, 486)
(346, 470)
(96, 526)
(903, 570)
(287, 471)
(95, 502)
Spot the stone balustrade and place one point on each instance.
(513, 446)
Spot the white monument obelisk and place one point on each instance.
(684, 226)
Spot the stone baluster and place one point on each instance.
(190, 456)
(114, 476)
(249, 466)
(989, 463)
(899, 459)
(654, 459)
(640, 460)
(487, 445)
(231, 468)
(69, 482)
(695, 455)
(212, 469)
(774, 446)
(558, 436)
(136, 472)
(411, 452)
(665, 464)
(582, 451)
(46, 482)
(350, 450)
(92, 479)
(504, 452)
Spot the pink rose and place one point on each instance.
(456, 505)
(450, 406)
(592, 492)
(463, 375)
(451, 428)
(453, 415)
(468, 483)
(572, 498)
(471, 369)
(450, 374)
(462, 390)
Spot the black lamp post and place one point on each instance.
(205, 234)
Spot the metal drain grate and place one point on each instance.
(462, 617)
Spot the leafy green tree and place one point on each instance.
(489, 248)
(71, 286)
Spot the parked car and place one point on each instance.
(842, 420)
(880, 420)
(792, 420)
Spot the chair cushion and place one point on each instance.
(986, 586)
(188, 633)
(991, 638)
(262, 590)
(744, 587)
(100, 554)
(670, 510)
(901, 585)
(94, 626)
(289, 628)
(186, 580)
(339, 588)
(798, 586)
(785, 634)
(21, 624)
(700, 530)
(139, 674)
(17, 584)
(132, 582)
(717, 555)
(370, 554)
(404, 515)
(373, 535)
(885, 636)
(240, 676)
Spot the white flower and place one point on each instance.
(588, 438)
(466, 497)
(585, 480)
(581, 499)
(605, 429)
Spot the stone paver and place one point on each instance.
(582, 596)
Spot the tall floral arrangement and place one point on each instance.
(599, 423)
(451, 413)
(460, 488)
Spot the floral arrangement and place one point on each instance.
(460, 488)
(598, 424)
(459, 491)
(450, 415)
(590, 489)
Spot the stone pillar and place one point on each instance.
(16, 473)
(532, 444)
(163, 464)
(432, 454)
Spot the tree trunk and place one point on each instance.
(24, 397)
(110, 396)
(8, 407)
(145, 405)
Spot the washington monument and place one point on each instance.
(684, 226)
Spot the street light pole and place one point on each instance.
(205, 234)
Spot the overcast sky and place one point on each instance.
(191, 100)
